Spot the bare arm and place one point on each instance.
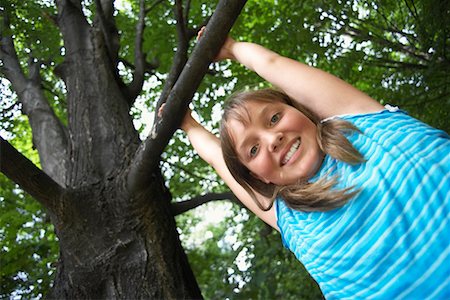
(208, 147)
(321, 92)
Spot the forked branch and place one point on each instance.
(148, 155)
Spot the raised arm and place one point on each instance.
(208, 147)
(321, 92)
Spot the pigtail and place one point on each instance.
(331, 140)
(317, 196)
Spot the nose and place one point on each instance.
(275, 139)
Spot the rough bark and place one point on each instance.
(116, 240)
(102, 136)
(115, 249)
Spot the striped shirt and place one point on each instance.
(392, 240)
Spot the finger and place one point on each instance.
(160, 110)
(200, 33)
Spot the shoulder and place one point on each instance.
(361, 115)
(391, 120)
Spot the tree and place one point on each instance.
(101, 186)
(396, 51)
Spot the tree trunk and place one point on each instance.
(117, 233)
(114, 242)
(111, 248)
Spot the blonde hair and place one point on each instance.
(304, 196)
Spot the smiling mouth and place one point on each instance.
(291, 152)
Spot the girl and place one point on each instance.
(359, 192)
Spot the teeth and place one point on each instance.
(291, 151)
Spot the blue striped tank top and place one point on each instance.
(392, 240)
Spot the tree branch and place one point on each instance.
(105, 14)
(30, 178)
(181, 25)
(412, 10)
(148, 155)
(74, 26)
(388, 63)
(187, 9)
(156, 3)
(49, 134)
(148, 68)
(135, 87)
(180, 58)
(75, 32)
(188, 172)
(374, 38)
(34, 68)
(183, 206)
(192, 32)
(141, 65)
(11, 67)
(391, 27)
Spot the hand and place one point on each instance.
(226, 50)
(187, 121)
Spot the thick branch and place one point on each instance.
(181, 25)
(108, 35)
(34, 67)
(30, 178)
(148, 155)
(11, 67)
(181, 207)
(74, 26)
(49, 134)
(105, 13)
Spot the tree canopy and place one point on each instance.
(396, 51)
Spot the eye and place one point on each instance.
(254, 150)
(275, 118)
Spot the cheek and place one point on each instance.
(299, 118)
(306, 124)
(262, 166)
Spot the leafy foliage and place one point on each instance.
(396, 51)
(244, 259)
(28, 244)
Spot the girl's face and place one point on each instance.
(276, 142)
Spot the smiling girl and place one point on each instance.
(359, 192)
